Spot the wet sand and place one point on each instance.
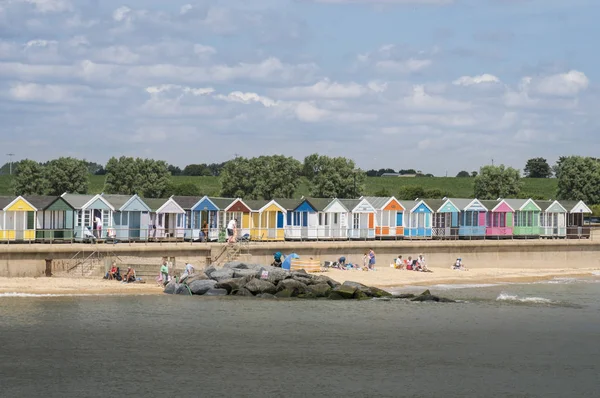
(384, 277)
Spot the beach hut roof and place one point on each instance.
(492, 204)
(222, 203)
(378, 202)
(117, 201)
(518, 204)
(463, 204)
(571, 205)
(319, 204)
(288, 204)
(6, 200)
(76, 200)
(435, 204)
(256, 205)
(545, 204)
(187, 202)
(155, 203)
(350, 204)
(43, 202)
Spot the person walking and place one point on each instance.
(231, 227)
(164, 272)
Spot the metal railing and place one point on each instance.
(288, 233)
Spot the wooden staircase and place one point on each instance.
(230, 252)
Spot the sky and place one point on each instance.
(435, 85)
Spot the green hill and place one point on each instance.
(455, 187)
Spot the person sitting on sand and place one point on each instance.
(409, 264)
(277, 260)
(342, 261)
(112, 274)
(399, 263)
(129, 276)
(458, 265)
(423, 264)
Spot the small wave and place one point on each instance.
(515, 298)
(463, 286)
(596, 273)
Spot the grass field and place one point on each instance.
(456, 187)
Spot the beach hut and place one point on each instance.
(576, 210)
(205, 217)
(445, 218)
(333, 220)
(296, 223)
(17, 219)
(268, 220)
(87, 209)
(389, 214)
(191, 231)
(472, 219)
(54, 219)
(303, 221)
(239, 210)
(527, 221)
(499, 218)
(362, 215)
(131, 217)
(417, 219)
(166, 219)
(553, 219)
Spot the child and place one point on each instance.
(399, 263)
(366, 261)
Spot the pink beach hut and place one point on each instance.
(499, 220)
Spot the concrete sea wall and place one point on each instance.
(33, 259)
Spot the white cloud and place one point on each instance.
(50, 5)
(563, 84)
(328, 89)
(121, 13)
(43, 92)
(204, 50)
(247, 98)
(473, 80)
(407, 66)
(309, 112)
(417, 2)
(421, 100)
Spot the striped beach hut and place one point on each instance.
(268, 220)
(527, 222)
(389, 216)
(472, 219)
(417, 219)
(499, 218)
(362, 216)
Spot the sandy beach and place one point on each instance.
(384, 277)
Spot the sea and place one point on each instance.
(499, 340)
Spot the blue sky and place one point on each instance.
(435, 85)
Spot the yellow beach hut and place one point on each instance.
(17, 219)
(268, 220)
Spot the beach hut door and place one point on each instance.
(554, 223)
(304, 225)
(20, 225)
(364, 225)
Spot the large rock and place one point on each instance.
(171, 287)
(427, 296)
(235, 264)
(222, 274)
(376, 292)
(404, 296)
(360, 295)
(307, 279)
(325, 279)
(285, 293)
(242, 292)
(241, 273)
(216, 292)
(232, 284)
(274, 274)
(346, 291)
(183, 289)
(209, 270)
(293, 285)
(336, 296)
(200, 276)
(266, 296)
(319, 290)
(257, 286)
(202, 286)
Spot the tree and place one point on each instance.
(174, 170)
(264, 177)
(474, 174)
(407, 172)
(128, 176)
(380, 172)
(372, 173)
(579, 179)
(463, 174)
(411, 192)
(333, 177)
(497, 182)
(557, 165)
(66, 174)
(537, 168)
(197, 170)
(29, 178)
(183, 189)
(93, 168)
(382, 193)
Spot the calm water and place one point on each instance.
(536, 340)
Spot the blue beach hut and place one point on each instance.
(417, 222)
(130, 218)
